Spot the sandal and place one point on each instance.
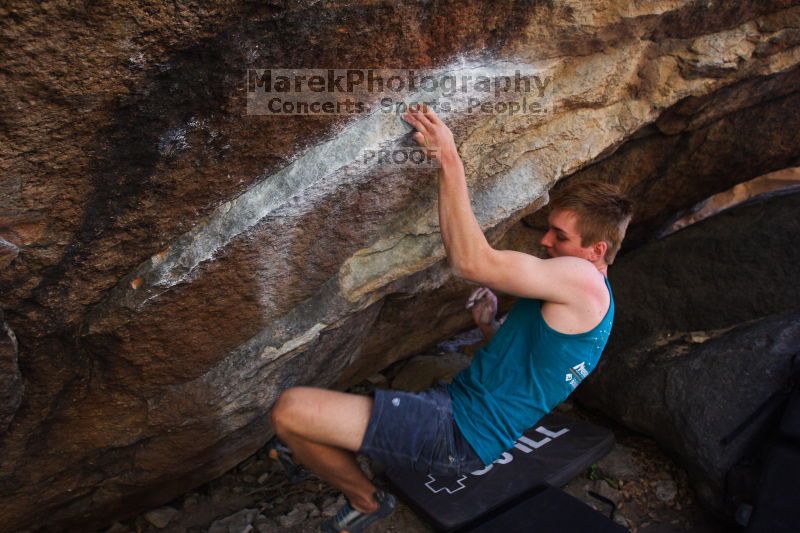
(350, 520)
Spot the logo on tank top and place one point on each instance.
(576, 374)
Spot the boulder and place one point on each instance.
(707, 321)
(689, 396)
(737, 266)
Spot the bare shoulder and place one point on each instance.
(585, 302)
(577, 264)
(583, 275)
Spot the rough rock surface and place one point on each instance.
(11, 384)
(170, 265)
(738, 266)
(689, 395)
(708, 321)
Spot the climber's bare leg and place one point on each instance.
(324, 429)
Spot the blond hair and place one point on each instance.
(603, 213)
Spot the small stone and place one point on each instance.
(116, 527)
(190, 501)
(621, 520)
(263, 478)
(332, 508)
(377, 379)
(330, 500)
(698, 337)
(240, 522)
(604, 489)
(619, 464)
(161, 517)
(666, 490)
(296, 516)
(310, 508)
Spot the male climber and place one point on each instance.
(549, 342)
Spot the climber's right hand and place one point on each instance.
(483, 304)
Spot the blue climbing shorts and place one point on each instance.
(417, 431)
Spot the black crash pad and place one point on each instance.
(553, 452)
(545, 510)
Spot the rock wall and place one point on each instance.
(170, 264)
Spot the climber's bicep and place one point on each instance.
(557, 279)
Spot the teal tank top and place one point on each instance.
(526, 370)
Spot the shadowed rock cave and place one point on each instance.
(169, 263)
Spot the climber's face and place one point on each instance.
(562, 237)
